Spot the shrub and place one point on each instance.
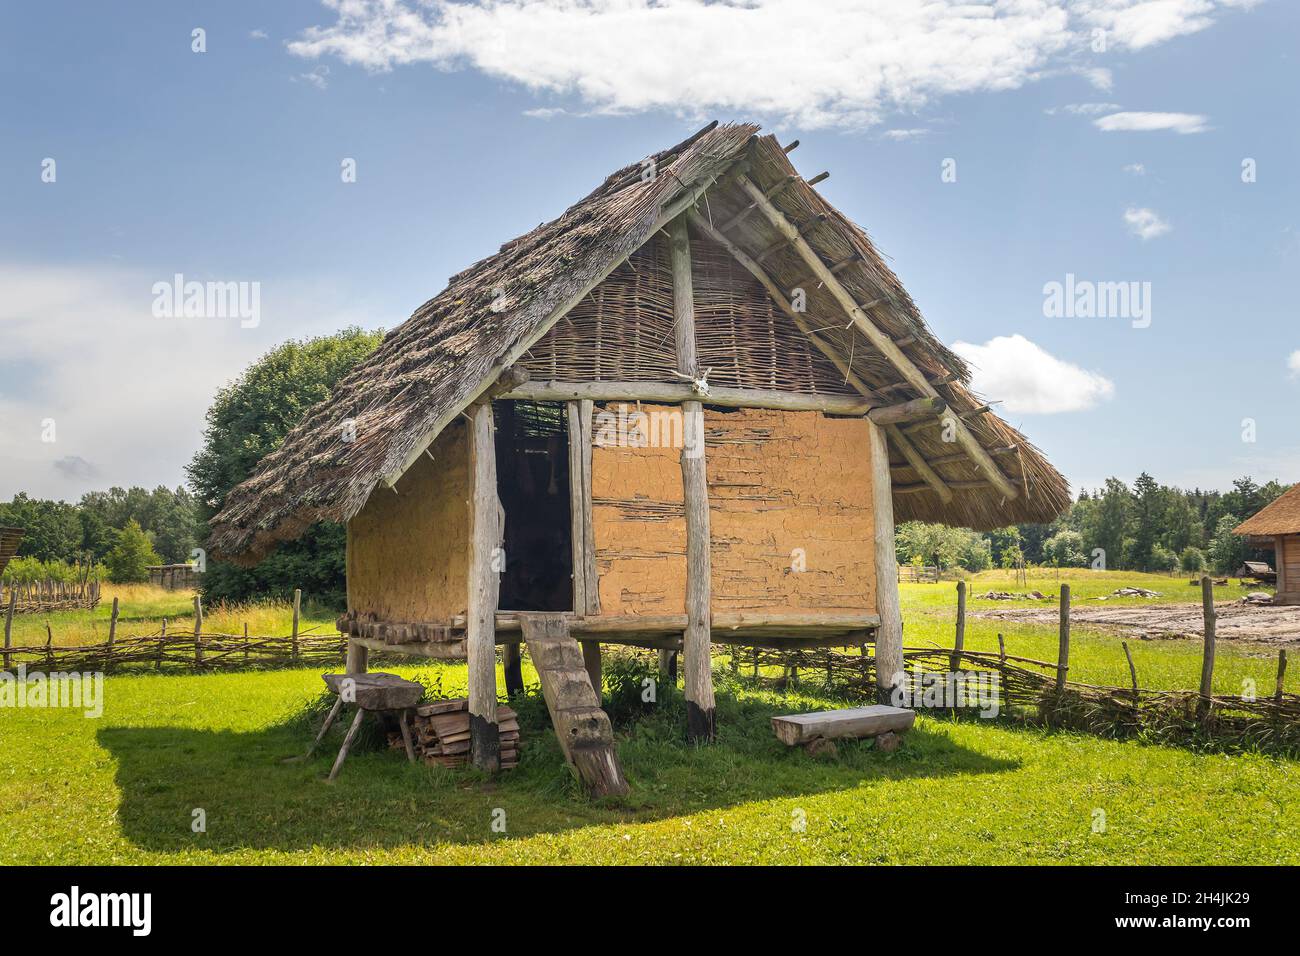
(128, 562)
(1192, 559)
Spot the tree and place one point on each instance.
(1192, 559)
(1065, 550)
(1227, 550)
(128, 562)
(247, 420)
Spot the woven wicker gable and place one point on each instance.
(623, 330)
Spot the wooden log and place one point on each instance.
(959, 639)
(1063, 640)
(514, 668)
(586, 581)
(668, 666)
(112, 637)
(1132, 673)
(484, 590)
(918, 409)
(9, 627)
(889, 635)
(358, 657)
(1207, 656)
(870, 721)
(700, 706)
(918, 463)
(198, 631)
(1281, 675)
(347, 744)
(672, 393)
(297, 607)
(861, 318)
(162, 644)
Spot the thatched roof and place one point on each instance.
(9, 541)
(455, 346)
(1282, 516)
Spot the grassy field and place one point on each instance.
(124, 788)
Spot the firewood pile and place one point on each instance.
(441, 734)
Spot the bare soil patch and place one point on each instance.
(1264, 624)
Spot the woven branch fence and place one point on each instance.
(43, 597)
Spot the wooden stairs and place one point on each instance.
(584, 731)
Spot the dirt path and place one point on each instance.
(1262, 624)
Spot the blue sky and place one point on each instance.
(469, 124)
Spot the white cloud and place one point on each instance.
(1293, 363)
(1029, 380)
(905, 134)
(318, 77)
(127, 391)
(1137, 169)
(1183, 123)
(844, 63)
(1087, 109)
(257, 34)
(1145, 223)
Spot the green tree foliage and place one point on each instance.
(246, 421)
(128, 562)
(1192, 560)
(1227, 550)
(53, 528)
(1065, 550)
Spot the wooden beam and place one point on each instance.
(889, 636)
(586, 582)
(917, 409)
(958, 418)
(701, 720)
(484, 591)
(883, 343)
(507, 623)
(961, 456)
(759, 273)
(672, 393)
(918, 463)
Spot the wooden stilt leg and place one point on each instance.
(514, 668)
(347, 744)
(329, 722)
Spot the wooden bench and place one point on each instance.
(375, 692)
(814, 731)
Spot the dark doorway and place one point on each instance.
(532, 442)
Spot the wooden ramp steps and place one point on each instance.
(878, 720)
(584, 731)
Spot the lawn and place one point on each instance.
(123, 788)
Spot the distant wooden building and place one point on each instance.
(174, 577)
(10, 538)
(699, 399)
(1277, 527)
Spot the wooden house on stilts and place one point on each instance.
(687, 411)
(1277, 527)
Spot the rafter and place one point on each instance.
(882, 342)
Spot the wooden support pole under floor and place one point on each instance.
(591, 660)
(700, 718)
(514, 668)
(889, 635)
(484, 591)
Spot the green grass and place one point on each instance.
(122, 789)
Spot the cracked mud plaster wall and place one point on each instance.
(408, 552)
(778, 481)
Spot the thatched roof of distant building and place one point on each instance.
(1282, 516)
(455, 346)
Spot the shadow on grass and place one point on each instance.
(253, 800)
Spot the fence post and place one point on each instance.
(49, 647)
(9, 626)
(245, 642)
(1207, 657)
(1132, 673)
(1281, 674)
(112, 636)
(297, 605)
(1063, 649)
(959, 642)
(198, 631)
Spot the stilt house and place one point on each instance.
(688, 411)
(1277, 527)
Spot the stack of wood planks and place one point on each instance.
(442, 733)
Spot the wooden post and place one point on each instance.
(358, 658)
(162, 644)
(484, 591)
(1132, 673)
(198, 631)
(9, 626)
(1281, 674)
(1207, 657)
(959, 640)
(112, 636)
(1063, 647)
(696, 646)
(514, 668)
(889, 635)
(297, 607)
(591, 660)
(668, 665)
(245, 642)
(586, 584)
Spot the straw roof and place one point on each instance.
(9, 541)
(456, 346)
(1282, 516)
